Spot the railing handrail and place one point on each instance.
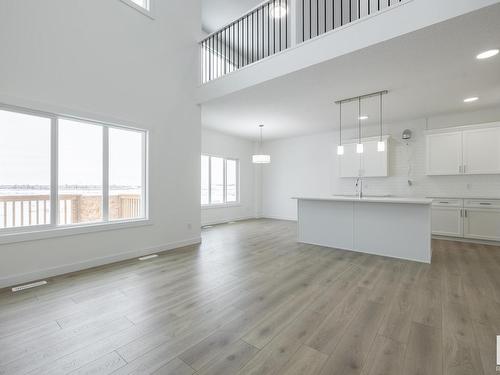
(220, 29)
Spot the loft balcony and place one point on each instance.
(279, 37)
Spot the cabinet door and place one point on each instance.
(447, 221)
(482, 224)
(349, 163)
(481, 151)
(444, 153)
(374, 163)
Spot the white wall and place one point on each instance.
(218, 144)
(308, 166)
(104, 60)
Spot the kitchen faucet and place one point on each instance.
(359, 187)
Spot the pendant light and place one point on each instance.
(359, 146)
(340, 147)
(261, 158)
(381, 143)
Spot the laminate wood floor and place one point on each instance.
(250, 300)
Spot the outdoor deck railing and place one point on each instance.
(27, 210)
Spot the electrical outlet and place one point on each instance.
(189, 226)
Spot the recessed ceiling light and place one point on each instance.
(487, 54)
(470, 100)
(363, 117)
(278, 11)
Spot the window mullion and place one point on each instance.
(209, 180)
(145, 173)
(105, 173)
(54, 171)
(224, 184)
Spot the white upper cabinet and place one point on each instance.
(371, 163)
(444, 153)
(481, 151)
(467, 150)
(350, 162)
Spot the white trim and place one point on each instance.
(105, 174)
(486, 125)
(220, 205)
(74, 267)
(224, 188)
(148, 12)
(54, 172)
(273, 217)
(466, 240)
(19, 233)
(227, 221)
(48, 231)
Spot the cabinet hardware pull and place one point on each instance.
(465, 213)
(485, 204)
(444, 202)
(463, 168)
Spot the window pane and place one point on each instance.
(125, 174)
(204, 179)
(80, 172)
(24, 170)
(217, 180)
(231, 180)
(142, 3)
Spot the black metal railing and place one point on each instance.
(260, 33)
(268, 29)
(321, 16)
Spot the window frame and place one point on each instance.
(54, 229)
(147, 11)
(225, 203)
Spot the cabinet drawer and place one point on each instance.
(482, 203)
(447, 202)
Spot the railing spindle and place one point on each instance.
(263, 31)
(286, 23)
(269, 30)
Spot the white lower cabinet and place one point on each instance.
(467, 218)
(482, 224)
(446, 221)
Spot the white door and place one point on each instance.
(444, 153)
(374, 163)
(447, 221)
(481, 151)
(349, 163)
(482, 223)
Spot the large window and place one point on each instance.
(61, 171)
(144, 6)
(219, 180)
(25, 142)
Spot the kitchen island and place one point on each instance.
(387, 226)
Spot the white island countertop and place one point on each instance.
(368, 199)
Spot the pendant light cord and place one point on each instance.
(359, 119)
(381, 117)
(260, 141)
(340, 123)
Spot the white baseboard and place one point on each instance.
(216, 222)
(466, 240)
(279, 218)
(74, 267)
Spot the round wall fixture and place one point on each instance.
(406, 134)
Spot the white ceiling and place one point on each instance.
(428, 72)
(217, 13)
